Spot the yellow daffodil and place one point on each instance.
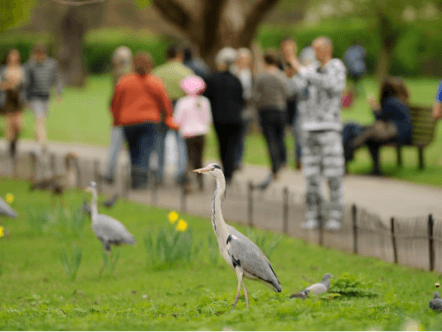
(181, 226)
(2, 231)
(173, 216)
(9, 198)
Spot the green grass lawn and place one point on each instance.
(84, 117)
(36, 294)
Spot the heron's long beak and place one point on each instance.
(202, 170)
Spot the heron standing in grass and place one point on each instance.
(107, 229)
(6, 210)
(238, 251)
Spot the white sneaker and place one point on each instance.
(333, 225)
(310, 224)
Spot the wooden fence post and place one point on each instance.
(250, 204)
(431, 241)
(285, 211)
(355, 228)
(393, 241)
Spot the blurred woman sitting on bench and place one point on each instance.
(392, 124)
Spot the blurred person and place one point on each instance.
(43, 73)
(226, 96)
(354, 58)
(13, 82)
(171, 73)
(242, 70)
(320, 86)
(138, 102)
(270, 96)
(437, 106)
(195, 63)
(393, 122)
(193, 116)
(122, 63)
(288, 50)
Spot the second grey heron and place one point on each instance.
(238, 251)
(107, 229)
(6, 210)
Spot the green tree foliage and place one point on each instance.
(14, 13)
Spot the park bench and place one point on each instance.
(423, 126)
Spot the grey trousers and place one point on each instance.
(323, 156)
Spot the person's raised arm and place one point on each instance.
(437, 106)
(333, 80)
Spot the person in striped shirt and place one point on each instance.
(43, 73)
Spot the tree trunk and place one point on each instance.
(69, 24)
(69, 48)
(389, 36)
(217, 23)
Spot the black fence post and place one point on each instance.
(355, 228)
(431, 241)
(393, 240)
(154, 187)
(97, 177)
(78, 169)
(321, 229)
(285, 211)
(183, 199)
(250, 204)
(52, 164)
(127, 179)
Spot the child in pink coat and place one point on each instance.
(193, 115)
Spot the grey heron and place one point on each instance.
(6, 210)
(318, 288)
(436, 302)
(107, 229)
(238, 251)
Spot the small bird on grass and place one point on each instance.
(107, 229)
(318, 288)
(436, 302)
(110, 202)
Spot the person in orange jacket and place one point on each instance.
(138, 102)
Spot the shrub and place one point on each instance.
(351, 286)
(71, 260)
(171, 246)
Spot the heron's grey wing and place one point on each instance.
(247, 255)
(317, 288)
(436, 304)
(111, 230)
(6, 210)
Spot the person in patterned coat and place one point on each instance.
(319, 89)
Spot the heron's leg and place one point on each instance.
(246, 294)
(239, 274)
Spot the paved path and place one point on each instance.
(384, 196)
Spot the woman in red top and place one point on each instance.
(137, 104)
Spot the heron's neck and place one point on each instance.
(94, 210)
(218, 223)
